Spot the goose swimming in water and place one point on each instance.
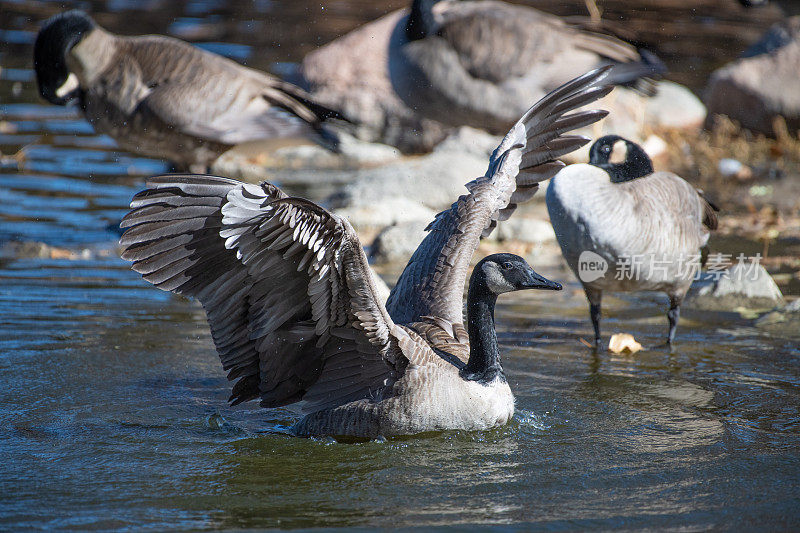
(292, 304)
(165, 98)
(481, 63)
(649, 229)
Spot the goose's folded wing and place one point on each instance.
(274, 109)
(211, 97)
(710, 210)
(266, 113)
(285, 284)
(497, 41)
(638, 217)
(433, 281)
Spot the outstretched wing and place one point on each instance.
(286, 286)
(433, 281)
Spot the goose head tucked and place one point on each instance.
(622, 159)
(494, 275)
(55, 40)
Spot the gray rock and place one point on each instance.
(783, 321)
(366, 153)
(673, 106)
(793, 307)
(364, 174)
(384, 212)
(352, 154)
(434, 180)
(257, 160)
(40, 250)
(742, 286)
(762, 85)
(397, 243)
(528, 230)
(469, 140)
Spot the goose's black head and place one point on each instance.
(54, 41)
(622, 159)
(501, 273)
(753, 3)
(494, 275)
(420, 21)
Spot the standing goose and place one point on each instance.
(480, 63)
(650, 228)
(162, 97)
(291, 300)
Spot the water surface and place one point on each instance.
(113, 408)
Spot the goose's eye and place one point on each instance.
(606, 149)
(507, 265)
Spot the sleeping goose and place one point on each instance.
(162, 97)
(480, 63)
(650, 229)
(291, 300)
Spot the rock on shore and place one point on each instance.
(747, 286)
(783, 321)
(763, 85)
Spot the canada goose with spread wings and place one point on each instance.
(291, 300)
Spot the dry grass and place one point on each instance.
(769, 178)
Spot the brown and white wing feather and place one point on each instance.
(433, 281)
(285, 284)
(449, 340)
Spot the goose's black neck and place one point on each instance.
(627, 171)
(484, 355)
(420, 20)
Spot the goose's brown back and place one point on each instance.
(166, 98)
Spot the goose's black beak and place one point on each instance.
(537, 281)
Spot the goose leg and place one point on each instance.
(673, 315)
(595, 297)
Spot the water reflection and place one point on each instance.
(423, 469)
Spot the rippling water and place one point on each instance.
(113, 407)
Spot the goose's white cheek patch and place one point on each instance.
(619, 153)
(69, 85)
(495, 280)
